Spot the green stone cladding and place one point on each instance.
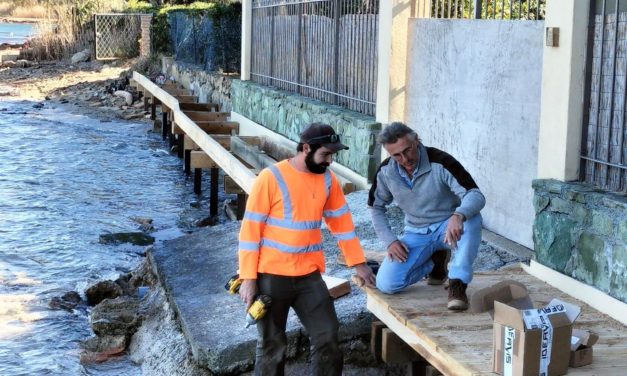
(288, 113)
(582, 232)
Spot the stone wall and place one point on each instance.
(210, 87)
(582, 232)
(287, 113)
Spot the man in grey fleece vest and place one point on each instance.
(441, 202)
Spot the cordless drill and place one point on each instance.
(260, 305)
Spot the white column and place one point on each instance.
(247, 10)
(563, 79)
(392, 51)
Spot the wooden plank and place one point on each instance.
(219, 127)
(276, 150)
(171, 85)
(225, 140)
(214, 107)
(394, 350)
(176, 91)
(187, 98)
(199, 159)
(337, 286)
(206, 115)
(375, 339)
(250, 153)
(231, 187)
(188, 143)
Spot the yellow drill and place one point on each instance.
(260, 305)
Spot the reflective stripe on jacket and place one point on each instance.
(280, 232)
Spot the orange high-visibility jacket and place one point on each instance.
(280, 232)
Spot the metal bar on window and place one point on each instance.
(611, 113)
(477, 7)
(588, 87)
(596, 133)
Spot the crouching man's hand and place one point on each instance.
(397, 251)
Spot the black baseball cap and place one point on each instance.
(322, 134)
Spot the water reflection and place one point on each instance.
(64, 180)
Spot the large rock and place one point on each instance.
(101, 291)
(81, 56)
(128, 97)
(137, 238)
(68, 301)
(115, 317)
(99, 349)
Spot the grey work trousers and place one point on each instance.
(309, 297)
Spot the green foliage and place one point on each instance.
(160, 26)
(507, 10)
(138, 6)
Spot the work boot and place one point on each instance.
(457, 299)
(439, 273)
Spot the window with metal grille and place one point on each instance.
(604, 147)
(324, 49)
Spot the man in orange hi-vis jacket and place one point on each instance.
(280, 250)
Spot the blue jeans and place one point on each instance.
(393, 276)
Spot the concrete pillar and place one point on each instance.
(145, 23)
(563, 78)
(392, 51)
(247, 11)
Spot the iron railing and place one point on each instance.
(604, 147)
(489, 9)
(324, 49)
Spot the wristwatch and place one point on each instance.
(460, 215)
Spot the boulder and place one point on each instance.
(101, 291)
(114, 317)
(99, 349)
(81, 56)
(23, 64)
(128, 97)
(137, 238)
(67, 302)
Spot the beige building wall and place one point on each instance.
(563, 80)
(394, 18)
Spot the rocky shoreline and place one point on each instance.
(89, 86)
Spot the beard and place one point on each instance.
(312, 166)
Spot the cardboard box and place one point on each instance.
(581, 348)
(526, 341)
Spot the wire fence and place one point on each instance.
(117, 35)
(213, 43)
(323, 49)
(604, 146)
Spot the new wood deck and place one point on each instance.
(460, 343)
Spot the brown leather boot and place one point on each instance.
(439, 273)
(457, 299)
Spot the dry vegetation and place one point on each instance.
(22, 10)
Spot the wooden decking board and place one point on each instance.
(460, 343)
